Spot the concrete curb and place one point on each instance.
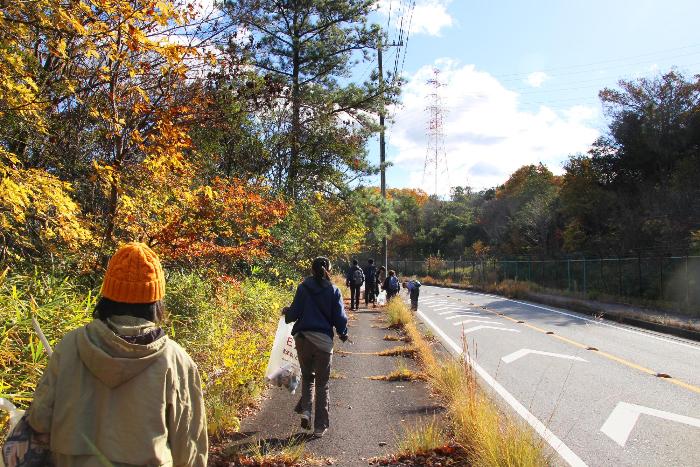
(593, 311)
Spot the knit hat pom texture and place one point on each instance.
(134, 275)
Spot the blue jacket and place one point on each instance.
(307, 316)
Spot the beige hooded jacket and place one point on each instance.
(134, 405)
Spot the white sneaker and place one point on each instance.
(320, 433)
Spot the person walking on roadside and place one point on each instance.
(118, 390)
(391, 285)
(317, 308)
(413, 287)
(370, 272)
(355, 279)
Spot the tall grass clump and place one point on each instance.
(489, 437)
(59, 306)
(397, 313)
(340, 281)
(227, 327)
(422, 438)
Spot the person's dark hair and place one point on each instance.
(370, 261)
(392, 272)
(106, 308)
(320, 268)
(354, 262)
(382, 268)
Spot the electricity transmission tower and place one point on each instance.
(435, 155)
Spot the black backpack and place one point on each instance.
(358, 277)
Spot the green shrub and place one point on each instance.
(226, 326)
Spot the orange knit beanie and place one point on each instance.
(134, 275)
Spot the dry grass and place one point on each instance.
(397, 313)
(291, 453)
(488, 436)
(399, 351)
(396, 338)
(420, 439)
(401, 373)
(339, 281)
(336, 375)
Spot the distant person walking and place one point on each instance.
(355, 279)
(381, 276)
(413, 287)
(118, 390)
(370, 283)
(317, 308)
(391, 285)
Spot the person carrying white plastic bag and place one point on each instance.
(283, 367)
(317, 308)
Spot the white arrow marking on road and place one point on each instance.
(467, 316)
(624, 416)
(510, 358)
(476, 328)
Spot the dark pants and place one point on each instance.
(414, 299)
(315, 368)
(370, 294)
(390, 294)
(355, 297)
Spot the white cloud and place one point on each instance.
(429, 16)
(537, 78)
(487, 135)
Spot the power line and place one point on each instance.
(583, 65)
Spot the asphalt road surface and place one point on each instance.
(599, 393)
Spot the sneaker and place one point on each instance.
(320, 433)
(306, 421)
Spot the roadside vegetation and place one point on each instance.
(227, 328)
(485, 435)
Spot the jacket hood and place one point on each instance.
(110, 358)
(315, 286)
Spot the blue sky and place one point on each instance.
(520, 78)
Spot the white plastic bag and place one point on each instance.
(381, 298)
(283, 367)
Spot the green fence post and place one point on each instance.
(619, 278)
(661, 278)
(687, 283)
(639, 273)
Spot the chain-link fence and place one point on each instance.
(669, 279)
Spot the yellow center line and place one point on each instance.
(607, 355)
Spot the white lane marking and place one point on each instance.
(465, 315)
(624, 416)
(477, 328)
(460, 323)
(558, 445)
(458, 312)
(510, 358)
(571, 315)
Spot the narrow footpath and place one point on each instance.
(367, 416)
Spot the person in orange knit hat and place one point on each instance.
(119, 388)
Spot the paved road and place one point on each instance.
(589, 387)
